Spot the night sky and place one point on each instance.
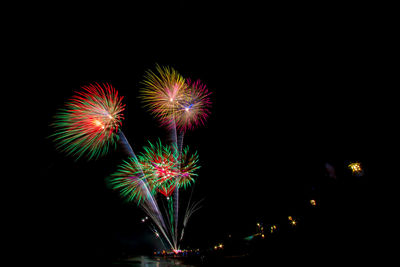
(287, 98)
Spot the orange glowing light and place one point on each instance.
(355, 167)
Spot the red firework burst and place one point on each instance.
(90, 121)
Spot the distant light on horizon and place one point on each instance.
(356, 168)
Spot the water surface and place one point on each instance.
(146, 261)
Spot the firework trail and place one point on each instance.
(89, 122)
(190, 209)
(125, 144)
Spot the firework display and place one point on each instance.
(89, 123)
(158, 178)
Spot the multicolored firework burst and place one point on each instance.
(159, 167)
(162, 92)
(193, 109)
(129, 181)
(188, 168)
(174, 101)
(89, 123)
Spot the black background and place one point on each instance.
(290, 90)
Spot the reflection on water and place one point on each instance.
(145, 261)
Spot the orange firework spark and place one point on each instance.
(162, 92)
